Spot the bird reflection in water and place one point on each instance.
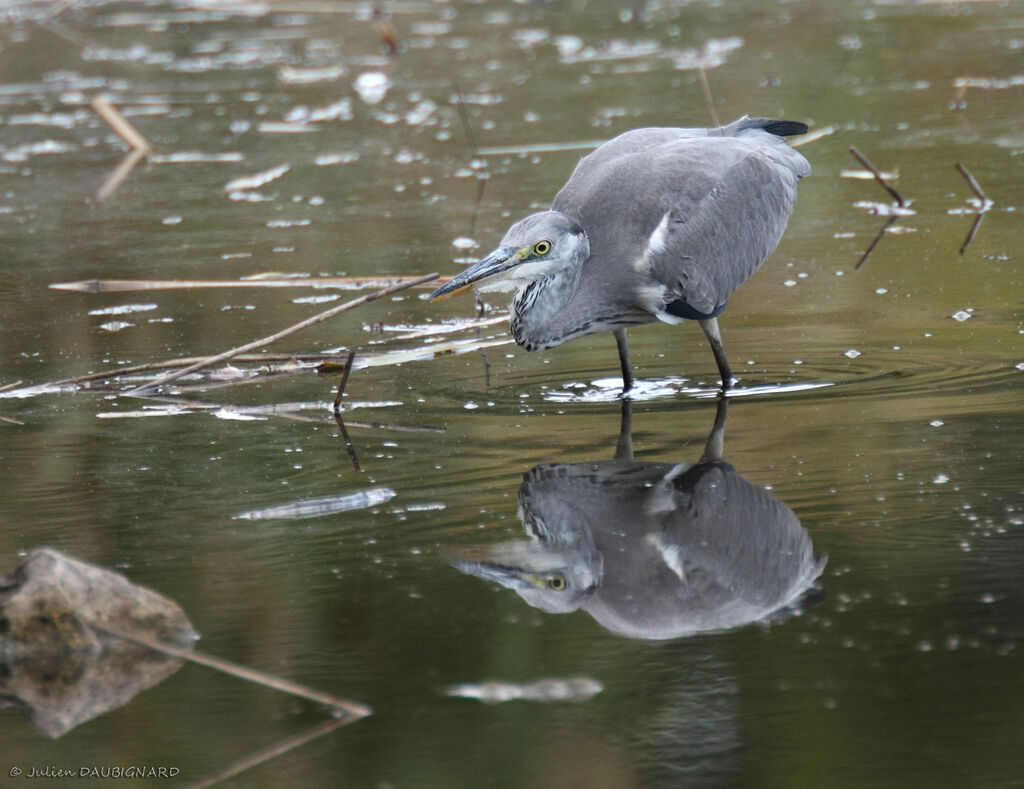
(652, 550)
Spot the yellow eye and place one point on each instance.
(541, 248)
(556, 582)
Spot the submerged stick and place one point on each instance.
(344, 380)
(266, 754)
(220, 357)
(120, 124)
(350, 448)
(877, 240)
(119, 174)
(335, 703)
(972, 232)
(878, 177)
(984, 205)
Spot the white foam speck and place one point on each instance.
(940, 479)
(852, 353)
(372, 86)
(115, 326)
(961, 315)
(123, 309)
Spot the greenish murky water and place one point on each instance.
(880, 407)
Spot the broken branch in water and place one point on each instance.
(120, 124)
(984, 204)
(335, 704)
(229, 354)
(344, 380)
(268, 753)
(878, 177)
(973, 183)
(118, 175)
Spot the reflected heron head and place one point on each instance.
(554, 579)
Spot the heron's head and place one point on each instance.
(539, 246)
(554, 579)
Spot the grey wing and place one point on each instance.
(710, 244)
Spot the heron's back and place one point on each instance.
(678, 218)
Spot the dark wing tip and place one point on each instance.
(776, 127)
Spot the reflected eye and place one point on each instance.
(556, 582)
(542, 248)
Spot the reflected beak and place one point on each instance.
(515, 564)
(497, 262)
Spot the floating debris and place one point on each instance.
(574, 689)
(884, 209)
(291, 75)
(123, 309)
(255, 181)
(116, 326)
(196, 157)
(324, 505)
(867, 175)
(372, 86)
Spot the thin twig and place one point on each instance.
(344, 380)
(11, 421)
(878, 177)
(975, 186)
(172, 363)
(708, 99)
(972, 232)
(220, 357)
(6, 387)
(336, 704)
(120, 124)
(266, 754)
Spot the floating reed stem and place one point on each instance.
(318, 318)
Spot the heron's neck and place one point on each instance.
(538, 310)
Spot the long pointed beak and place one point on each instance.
(515, 564)
(498, 261)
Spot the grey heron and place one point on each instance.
(652, 550)
(657, 224)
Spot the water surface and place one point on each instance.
(881, 405)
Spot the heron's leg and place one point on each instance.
(715, 445)
(624, 447)
(627, 372)
(710, 327)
